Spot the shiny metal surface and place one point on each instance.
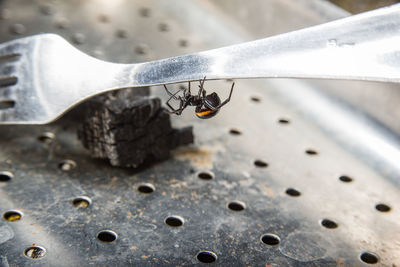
(53, 76)
(300, 156)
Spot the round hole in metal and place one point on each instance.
(78, 38)
(46, 137)
(174, 221)
(35, 252)
(17, 28)
(12, 216)
(293, 192)
(67, 165)
(141, 49)
(234, 131)
(311, 152)
(270, 239)
(104, 18)
(81, 202)
(284, 121)
(145, 12)
(6, 176)
(107, 236)
(122, 33)
(345, 179)
(146, 188)
(205, 175)
(183, 43)
(369, 258)
(46, 10)
(236, 206)
(163, 27)
(382, 207)
(206, 257)
(260, 163)
(5, 14)
(61, 23)
(327, 223)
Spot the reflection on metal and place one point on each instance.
(285, 174)
(359, 134)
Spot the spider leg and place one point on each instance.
(202, 81)
(227, 100)
(181, 109)
(201, 86)
(171, 94)
(178, 111)
(169, 111)
(185, 92)
(174, 111)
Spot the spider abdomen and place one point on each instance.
(204, 112)
(209, 108)
(212, 101)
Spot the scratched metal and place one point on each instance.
(291, 172)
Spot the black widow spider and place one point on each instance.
(207, 106)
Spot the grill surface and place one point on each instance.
(286, 174)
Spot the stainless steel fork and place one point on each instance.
(47, 76)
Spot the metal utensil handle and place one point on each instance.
(360, 47)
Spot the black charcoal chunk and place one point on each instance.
(129, 129)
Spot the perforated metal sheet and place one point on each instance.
(286, 174)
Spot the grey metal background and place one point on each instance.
(353, 127)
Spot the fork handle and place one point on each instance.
(360, 47)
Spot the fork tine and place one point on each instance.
(7, 81)
(8, 57)
(6, 104)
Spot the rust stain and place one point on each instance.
(133, 248)
(267, 191)
(145, 256)
(201, 157)
(179, 184)
(339, 261)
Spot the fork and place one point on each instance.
(43, 76)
